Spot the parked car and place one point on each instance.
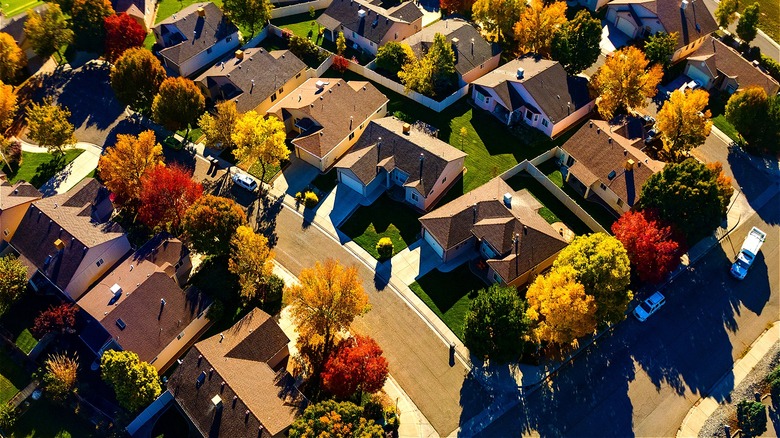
(171, 142)
(649, 306)
(648, 120)
(244, 181)
(652, 135)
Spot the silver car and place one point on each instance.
(649, 306)
(245, 181)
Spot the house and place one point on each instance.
(368, 24)
(640, 18)
(392, 154)
(139, 305)
(474, 57)
(15, 199)
(142, 11)
(603, 165)
(68, 240)
(502, 225)
(717, 66)
(593, 5)
(14, 26)
(325, 117)
(253, 78)
(537, 92)
(195, 37)
(234, 384)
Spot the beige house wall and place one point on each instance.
(10, 219)
(178, 345)
(88, 272)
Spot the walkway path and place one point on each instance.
(74, 172)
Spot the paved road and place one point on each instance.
(762, 41)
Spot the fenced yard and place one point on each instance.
(383, 218)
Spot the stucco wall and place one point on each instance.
(571, 119)
(479, 71)
(448, 177)
(10, 219)
(177, 346)
(204, 58)
(88, 272)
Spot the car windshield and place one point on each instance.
(646, 307)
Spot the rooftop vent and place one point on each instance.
(216, 401)
(407, 128)
(201, 378)
(520, 73)
(116, 289)
(508, 200)
(201, 12)
(239, 54)
(320, 84)
(629, 165)
(121, 324)
(612, 175)
(362, 13)
(455, 41)
(684, 5)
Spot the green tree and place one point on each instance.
(683, 122)
(726, 12)
(659, 48)
(392, 56)
(576, 43)
(751, 417)
(8, 416)
(218, 127)
(601, 265)
(496, 324)
(136, 78)
(498, 17)
(87, 17)
(178, 104)
(747, 27)
(260, 140)
(135, 383)
(210, 222)
(48, 125)
(756, 117)
(685, 194)
(443, 62)
(13, 281)
(329, 418)
(12, 58)
(341, 44)
(48, 31)
(250, 14)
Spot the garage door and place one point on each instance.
(626, 26)
(350, 182)
(434, 244)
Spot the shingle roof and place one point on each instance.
(251, 80)
(12, 195)
(14, 26)
(377, 22)
(691, 23)
(255, 400)
(140, 6)
(721, 58)
(199, 33)
(400, 151)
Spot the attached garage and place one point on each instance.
(433, 243)
(626, 25)
(698, 73)
(349, 179)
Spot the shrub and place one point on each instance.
(392, 419)
(287, 34)
(774, 382)
(8, 415)
(402, 116)
(13, 154)
(385, 248)
(310, 200)
(340, 63)
(216, 311)
(772, 67)
(751, 416)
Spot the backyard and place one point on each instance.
(14, 7)
(38, 168)
(383, 218)
(19, 319)
(449, 294)
(13, 378)
(45, 418)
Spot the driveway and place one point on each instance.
(611, 38)
(412, 262)
(296, 176)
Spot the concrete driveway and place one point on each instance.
(611, 38)
(413, 262)
(295, 177)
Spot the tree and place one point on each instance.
(537, 24)
(8, 416)
(252, 261)
(48, 125)
(260, 140)
(136, 78)
(559, 310)
(7, 106)
(443, 62)
(10, 152)
(13, 281)
(650, 244)
(723, 181)
(392, 56)
(625, 81)
(756, 117)
(601, 265)
(726, 12)
(683, 122)
(249, 14)
(576, 43)
(329, 418)
(455, 6)
(340, 63)
(218, 127)
(751, 417)
(747, 27)
(48, 31)
(12, 58)
(496, 324)
(384, 247)
(88, 18)
(60, 376)
(135, 383)
(356, 367)
(341, 44)
(417, 75)
(122, 32)
(166, 194)
(178, 104)
(659, 48)
(123, 166)
(210, 222)
(687, 195)
(56, 319)
(497, 17)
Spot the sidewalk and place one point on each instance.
(706, 406)
(74, 172)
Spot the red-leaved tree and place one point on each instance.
(60, 319)
(340, 63)
(652, 247)
(122, 33)
(356, 366)
(166, 194)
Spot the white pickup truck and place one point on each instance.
(748, 253)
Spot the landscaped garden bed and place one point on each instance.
(383, 218)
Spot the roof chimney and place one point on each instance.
(201, 12)
(684, 5)
(239, 54)
(629, 165)
(407, 128)
(217, 402)
(362, 13)
(508, 200)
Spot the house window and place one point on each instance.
(298, 75)
(544, 122)
(99, 262)
(395, 36)
(603, 187)
(354, 35)
(414, 196)
(481, 66)
(444, 180)
(351, 135)
(5, 232)
(361, 126)
(528, 114)
(273, 97)
(371, 44)
(570, 161)
(377, 111)
(480, 97)
(281, 90)
(536, 117)
(620, 202)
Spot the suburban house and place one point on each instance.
(474, 57)
(253, 78)
(593, 5)
(392, 155)
(537, 92)
(501, 225)
(68, 240)
(234, 384)
(15, 199)
(605, 166)
(640, 18)
(139, 305)
(141, 10)
(368, 24)
(14, 26)
(717, 66)
(195, 37)
(325, 117)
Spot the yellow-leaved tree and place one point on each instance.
(122, 165)
(625, 82)
(218, 128)
(251, 260)
(683, 122)
(7, 106)
(537, 24)
(260, 140)
(497, 17)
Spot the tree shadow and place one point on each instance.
(382, 273)
(47, 171)
(268, 208)
(752, 182)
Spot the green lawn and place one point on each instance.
(46, 419)
(13, 378)
(717, 106)
(724, 125)
(449, 295)
(26, 342)
(37, 168)
(769, 21)
(166, 8)
(302, 25)
(13, 7)
(383, 218)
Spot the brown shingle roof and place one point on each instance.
(722, 59)
(12, 195)
(690, 23)
(377, 22)
(199, 33)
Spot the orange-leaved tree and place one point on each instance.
(537, 25)
(357, 366)
(652, 247)
(123, 165)
(625, 81)
(166, 194)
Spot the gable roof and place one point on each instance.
(471, 49)
(14, 26)
(19, 193)
(198, 33)
(255, 400)
(332, 112)
(556, 93)
(377, 22)
(599, 151)
(690, 23)
(384, 144)
(253, 79)
(131, 7)
(722, 59)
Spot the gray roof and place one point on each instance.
(199, 33)
(15, 194)
(722, 59)
(377, 22)
(690, 23)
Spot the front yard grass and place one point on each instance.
(38, 168)
(13, 378)
(383, 218)
(45, 418)
(726, 127)
(26, 341)
(449, 294)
